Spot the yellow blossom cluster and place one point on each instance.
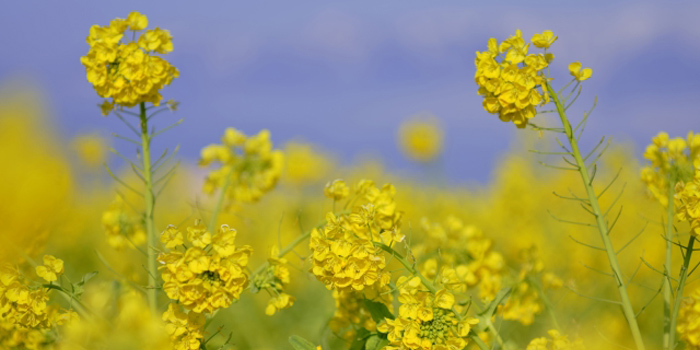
(671, 160)
(305, 163)
(249, 166)
(186, 329)
(351, 311)
(509, 77)
(123, 228)
(274, 278)
(467, 258)
(687, 200)
(128, 72)
(203, 271)
(345, 256)
(426, 321)
(26, 319)
(557, 342)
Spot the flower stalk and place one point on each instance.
(679, 292)
(602, 226)
(667, 267)
(150, 201)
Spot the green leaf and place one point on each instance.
(299, 343)
(360, 339)
(378, 310)
(376, 342)
(87, 277)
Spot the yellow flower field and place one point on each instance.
(260, 245)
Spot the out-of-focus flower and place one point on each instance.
(421, 139)
(671, 161)
(687, 201)
(51, 269)
(122, 228)
(304, 163)
(556, 341)
(91, 149)
(249, 167)
(336, 190)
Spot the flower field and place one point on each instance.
(267, 245)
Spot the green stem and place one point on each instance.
(667, 266)
(625, 302)
(148, 216)
(679, 292)
(547, 303)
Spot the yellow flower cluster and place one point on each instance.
(186, 329)
(27, 321)
(557, 342)
(128, 72)
(122, 228)
(671, 160)
(273, 279)
(687, 200)
(249, 166)
(421, 139)
(351, 311)
(206, 274)
(466, 256)
(509, 77)
(345, 257)
(305, 163)
(426, 321)
(121, 322)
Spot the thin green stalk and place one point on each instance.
(679, 292)
(667, 266)
(547, 304)
(625, 302)
(148, 216)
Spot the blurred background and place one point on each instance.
(344, 75)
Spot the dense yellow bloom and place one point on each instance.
(687, 200)
(426, 321)
(123, 322)
(578, 73)
(336, 190)
(345, 257)
(421, 139)
(557, 342)
(208, 273)
(128, 72)
(122, 228)
(511, 80)
(671, 159)
(27, 321)
(522, 304)
(186, 329)
(249, 167)
(544, 40)
(51, 269)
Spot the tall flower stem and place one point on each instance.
(667, 266)
(150, 205)
(602, 226)
(219, 203)
(679, 292)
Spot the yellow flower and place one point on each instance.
(421, 139)
(336, 190)
(137, 21)
(186, 329)
(248, 164)
(671, 161)
(122, 228)
(128, 72)
(305, 163)
(279, 302)
(51, 269)
(205, 280)
(578, 73)
(91, 149)
(687, 200)
(512, 84)
(544, 40)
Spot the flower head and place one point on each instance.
(544, 40)
(578, 73)
(51, 269)
(421, 139)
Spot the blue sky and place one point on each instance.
(344, 75)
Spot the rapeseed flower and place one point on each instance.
(421, 139)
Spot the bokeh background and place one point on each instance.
(345, 74)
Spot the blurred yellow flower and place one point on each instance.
(91, 149)
(304, 163)
(557, 342)
(336, 190)
(51, 269)
(421, 139)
